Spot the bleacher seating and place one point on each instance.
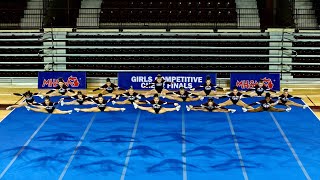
(312, 50)
(178, 48)
(11, 45)
(11, 13)
(168, 11)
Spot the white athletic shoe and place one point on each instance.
(28, 108)
(178, 108)
(77, 109)
(305, 106)
(232, 110)
(70, 111)
(135, 105)
(113, 102)
(62, 102)
(188, 108)
(122, 109)
(201, 98)
(244, 109)
(9, 108)
(288, 109)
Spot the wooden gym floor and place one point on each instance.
(310, 96)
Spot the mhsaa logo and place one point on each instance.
(248, 84)
(71, 82)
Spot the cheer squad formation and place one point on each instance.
(156, 105)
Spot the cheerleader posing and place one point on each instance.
(157, 106)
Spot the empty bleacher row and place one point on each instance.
(13, 51)
(146, 48)
(168, 11)
(307, 44)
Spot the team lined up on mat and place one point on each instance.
(156, 105)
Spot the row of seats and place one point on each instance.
(173, 4)
(164, 51)
(165, 59)
(111, 74)
(168, 16)
(167, 36)
(167, 43)
(170, 67)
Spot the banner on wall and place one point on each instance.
(73, 80)
(246, 81)
(187, 80)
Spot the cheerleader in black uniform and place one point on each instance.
(109, 89)
(209, 106)
(260, 90)
(79, 99)
(28, 100)
(235, 99)
(157, 106)
(158, 86)
(266, 105)
(284, 99)
(183, 96)
(101, 106)
(207, 89)
(61, 89)
(47, 107)
(131, 96)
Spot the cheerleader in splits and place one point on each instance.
(235, 98)
(260, 90)
(109, 89)
(284, 99)
(101, 106)
(28, 100)
(158, 86)
(266, 105)
(47, 107)
(131, 97)
(79, 99)
(209, 106)
(183, 96)
(157, 106)
(61, 89)
(208, 89)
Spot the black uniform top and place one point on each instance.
(101, 105)
(132, 97)
(183, 96)
(260, 90)
(50, 107)
(284, 99)
(80, 101)
(211, 107)
(235, 98)
(110, 88)
(29, 99)
(158, 86)
(266, 105)
(157, 106)
(62, 90)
